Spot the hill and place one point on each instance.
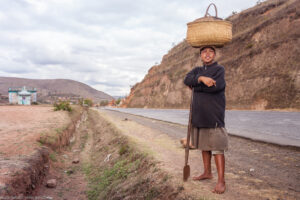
(262, 63)
(49, 90)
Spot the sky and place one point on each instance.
(107, 44)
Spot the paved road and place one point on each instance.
(269, 126)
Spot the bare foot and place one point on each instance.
(202, 177)
(183, 142)
(220, 188)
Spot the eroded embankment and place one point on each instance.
(118, 170)
(20, 175)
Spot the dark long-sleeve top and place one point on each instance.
(208, 102)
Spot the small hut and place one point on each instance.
(22, 96)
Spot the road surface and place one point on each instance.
(276, 127)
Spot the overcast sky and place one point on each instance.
(107, 44)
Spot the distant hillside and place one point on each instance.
(50, 90)
(262, 63)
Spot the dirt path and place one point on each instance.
(254, 170)
(70, 177)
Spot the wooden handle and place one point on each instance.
(207, 14)
(190, 127)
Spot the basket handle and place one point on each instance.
(207, 14)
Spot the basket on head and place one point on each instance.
(209, 30)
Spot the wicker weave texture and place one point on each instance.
(201, 33)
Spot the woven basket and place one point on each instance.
(209, 30)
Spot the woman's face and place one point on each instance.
(207, 55)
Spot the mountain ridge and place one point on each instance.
(49, 90)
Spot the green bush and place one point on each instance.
(118, 101)
(88, 102)
(62, 105)
(104, 103)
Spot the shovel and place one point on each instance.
(186, 168)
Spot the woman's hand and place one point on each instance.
(207, 81)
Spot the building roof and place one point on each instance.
(19, 89)
(24, 93)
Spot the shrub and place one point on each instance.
(62, 105)
(118, 101)
(104, 103)
(88, 102)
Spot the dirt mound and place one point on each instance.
(20, 175)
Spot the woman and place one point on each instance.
(208, 114)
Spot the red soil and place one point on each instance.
(21, 126)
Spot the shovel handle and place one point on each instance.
(187, 147)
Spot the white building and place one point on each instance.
(22, 96)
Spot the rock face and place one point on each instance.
(262, 63)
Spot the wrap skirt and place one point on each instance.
(210, 139)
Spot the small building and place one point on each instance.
(22, 96)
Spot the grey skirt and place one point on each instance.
(210, 139)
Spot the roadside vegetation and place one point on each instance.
(117, 170)
(62, 105)
(52, 138)
(104, 103)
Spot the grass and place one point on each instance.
(60, 194)
(87, 168)
(165, 178)
(52, 157)
(101, 182)
(123, 149)
(83, 138)
(153, 193)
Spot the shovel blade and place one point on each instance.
(186, 172)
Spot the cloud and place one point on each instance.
(108, 44)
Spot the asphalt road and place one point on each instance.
(276, 127)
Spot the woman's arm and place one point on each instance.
(218, 85)
(191, 79)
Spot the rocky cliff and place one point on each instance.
(262, 63)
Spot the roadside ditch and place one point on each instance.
(21, 175)
(90, 159)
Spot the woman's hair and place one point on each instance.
(211, 47)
